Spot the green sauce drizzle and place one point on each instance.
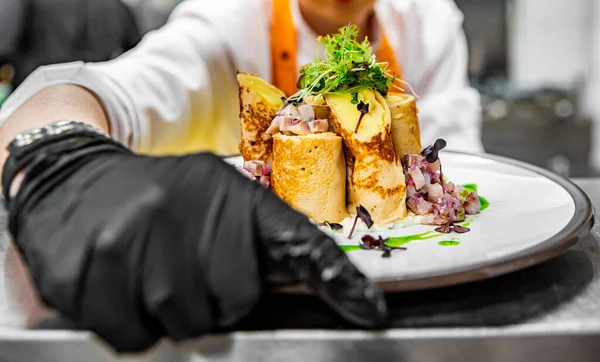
(484, 203)
(347, 248)
(470, 187)
(398, 241)
(451, 242)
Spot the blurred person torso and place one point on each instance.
(176, 92)
(59, 31)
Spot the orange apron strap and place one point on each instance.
(284, 47)
(385, 53)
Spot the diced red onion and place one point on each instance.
(419, 206)
(266, 170)
(453, 201)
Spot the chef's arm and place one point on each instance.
(62, 101)
(150, 95)
(449, 108)
(128, 97)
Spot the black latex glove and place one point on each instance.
(135, 248)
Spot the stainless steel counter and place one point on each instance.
(569, 331)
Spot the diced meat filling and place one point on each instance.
(297, 120)
(427, 193)
(258, 171)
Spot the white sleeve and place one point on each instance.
(153, 92)
(448, 108)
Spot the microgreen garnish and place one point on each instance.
(451, 226)
(370, 243)
(363, 214)
(332, 225)
(348, 66)
(444, 229)
(431, 152)
(288, 101)
(354, 98)
(363, 108)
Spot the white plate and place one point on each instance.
(533, 215)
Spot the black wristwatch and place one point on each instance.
(55, 138)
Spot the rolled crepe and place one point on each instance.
(259, 103)
(375, 177)
(406, 133)
(309, 174)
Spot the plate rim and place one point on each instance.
(579, 225)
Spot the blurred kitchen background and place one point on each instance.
(537, 66)
(535, 62)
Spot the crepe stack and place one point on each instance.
(309, 174)
(259, 102)
(405, 124)
(375, 178)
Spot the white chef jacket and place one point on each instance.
(176, 92)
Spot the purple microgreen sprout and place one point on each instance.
(444, 229)
(370, 243)
(331, 225)
(460, 230)
(334, 225)
(363, 108)
(431, 152)
(431, 155)
(364, 215)
(451, 226)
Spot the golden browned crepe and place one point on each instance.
(406, 133)
(309, 174)
(259, 103)
(375, 176)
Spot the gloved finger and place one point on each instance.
(293, 243)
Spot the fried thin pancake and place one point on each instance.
(309, 174)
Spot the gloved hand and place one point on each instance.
(135, 248)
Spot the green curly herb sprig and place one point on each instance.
(348, 66)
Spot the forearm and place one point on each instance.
(51, 104)
(58, 102)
